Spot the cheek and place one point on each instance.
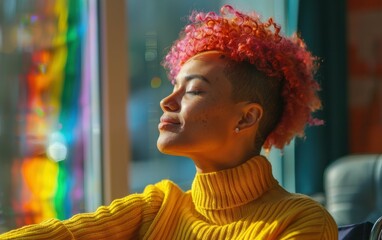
(202, 120)
(206, 116)
(195, 113)
(210, 118)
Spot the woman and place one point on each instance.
(238, 86)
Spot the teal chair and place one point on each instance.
(353, 188)
(353, 195)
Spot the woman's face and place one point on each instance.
(199, 116)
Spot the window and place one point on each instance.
(153, 26)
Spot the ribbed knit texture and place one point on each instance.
(245, 202)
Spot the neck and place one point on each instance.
(224, 196)
(222, 160)
(233, 153)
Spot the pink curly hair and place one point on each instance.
(243, 37)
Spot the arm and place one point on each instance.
(126, 218)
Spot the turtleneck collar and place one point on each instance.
(231, 188)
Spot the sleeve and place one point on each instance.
(311, 221)
(125, 218)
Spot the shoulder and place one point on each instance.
(306, 208)
(160, 190)
(167, 187)
(150, 200)
(299, 215)
(309, 217)
(293, 202)
(152, 195)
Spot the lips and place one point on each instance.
(167, 119)
(168, 123)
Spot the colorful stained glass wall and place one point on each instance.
(43, 103)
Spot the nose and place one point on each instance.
(170, 103)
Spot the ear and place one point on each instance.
(251, 115)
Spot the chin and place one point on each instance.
(167, 148)
(162, 146)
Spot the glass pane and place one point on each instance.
(153, 26)
(44, 110)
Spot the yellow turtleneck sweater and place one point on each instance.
(245, 202)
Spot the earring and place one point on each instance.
(237, 130)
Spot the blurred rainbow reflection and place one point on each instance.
(47, 172)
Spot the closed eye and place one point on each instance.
(194, 92)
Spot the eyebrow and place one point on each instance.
(193, 76)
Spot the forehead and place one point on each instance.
(212, 57)
(210, 65)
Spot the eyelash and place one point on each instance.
(194, 92)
